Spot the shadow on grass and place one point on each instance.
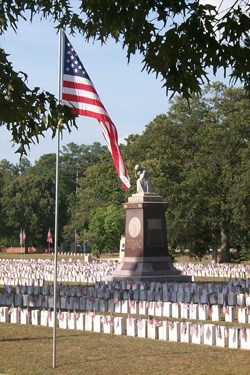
(36, 338)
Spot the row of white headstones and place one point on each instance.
(166, 330)
(195, 311)
(170, 299)
(203, 292)
(23, 271)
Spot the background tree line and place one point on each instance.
(199, 161)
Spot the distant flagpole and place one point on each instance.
(60, 70)
(21, 240)
(49, 239)
(24, 239)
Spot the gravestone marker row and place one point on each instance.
(187, 332)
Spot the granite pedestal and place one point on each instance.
(146, 248)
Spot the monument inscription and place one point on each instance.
(155, 234)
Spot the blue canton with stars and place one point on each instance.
(72, 63)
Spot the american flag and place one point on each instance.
(78, 92)
(49, 237)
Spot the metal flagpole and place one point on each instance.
(60, 69)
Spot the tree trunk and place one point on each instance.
(214, 255)
(214, 246)
(225, 246)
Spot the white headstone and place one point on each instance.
(133, 307)
(71, 318)
(15, 315)
(108, 324)
(185, 332)
(184, 311)
(158, 308)
(80, 322)
(244, 336)
(4, 316)
(180, 296)
(209, 334)
(196, 298)
(62, 319)
(242, 315)
(231, 299)
(241, 299)
(89, 321)
(136, 295)
(233, 338)
(173, 296)
(97, 323)
(18, 300)
(24, 316)
(9, 299)
(193, 311)
(229, 313)
(175, 310)
(119, 325)
(131, 326)
(117, 306)
(124, 307)
(248, 301)
(221, 299)
(89, 304)
(103, 305)
(50, 315)
(215, 313)
(204, 298)
(166, 296)
(197, 333)
(167, 309)
(143, 309)
(203, 312)
(188, 297)
(222, 336)
(143, 295)
(163, 331)
(174, 331)
(142, 328)
(26, 300)
(152, 329)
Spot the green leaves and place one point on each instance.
(106, 226)
(198, 156)
(28, 202)
(26, 113)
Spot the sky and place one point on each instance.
(132, 98)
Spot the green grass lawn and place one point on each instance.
(28, 350)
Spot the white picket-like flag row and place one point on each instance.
(92, 299)
(220, 335)
(228, 270)
(38, 271)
